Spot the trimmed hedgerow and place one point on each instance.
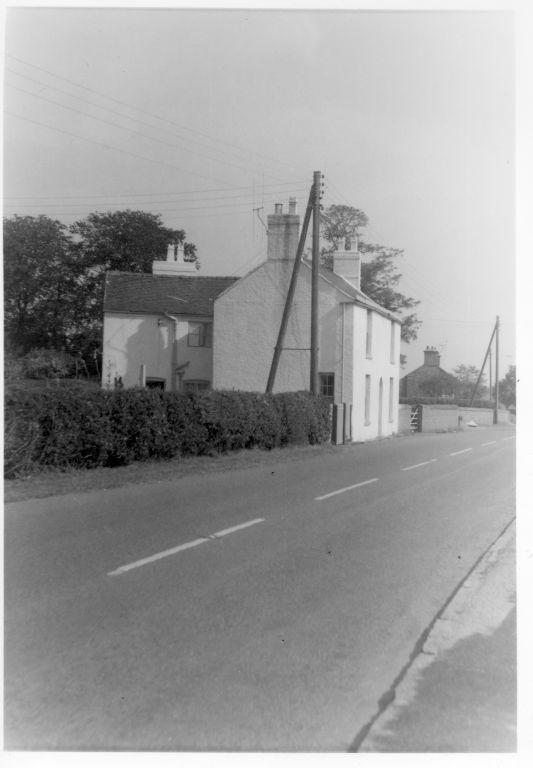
(73, 428)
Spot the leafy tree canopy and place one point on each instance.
(40, 283)
(126, 241)
(467, 376)
(54, 275)
(379, 276)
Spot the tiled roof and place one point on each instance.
(353, 293)
(155, 294)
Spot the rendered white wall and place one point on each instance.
(246, 325)
(133, 340)
(378, 366)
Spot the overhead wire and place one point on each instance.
(130, 130)
(138, 109)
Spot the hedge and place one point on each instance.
(67, 427)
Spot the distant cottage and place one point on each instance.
(180, 331)
(428, 380)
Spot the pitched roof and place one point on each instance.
(353, 293)
(155, 294)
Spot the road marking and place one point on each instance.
(491, 442)
(415, 466)
(158, 556)
(182, 547)
(509, 438)
(343, 490)
(225, 532)
(456, 453)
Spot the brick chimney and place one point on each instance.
(347, 264)
(283, 232)
(431, 357)
(174, 263)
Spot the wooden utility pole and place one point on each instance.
(313, 384)
(494, 333)
(496, 371)
(290, 295)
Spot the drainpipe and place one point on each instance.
(174, 358)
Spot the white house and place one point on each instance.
(158, 328)
(181, 331)
(359, 341)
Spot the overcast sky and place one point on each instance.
(204, 116)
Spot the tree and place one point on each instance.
(508, 388)
(379, 278)
(467, 376)
(126, 241)
(40, 280)
(54, 276)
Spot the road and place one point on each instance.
(267, 608)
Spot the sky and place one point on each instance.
(210, 117)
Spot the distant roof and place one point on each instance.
(154, 294)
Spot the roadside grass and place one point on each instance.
(55, 482)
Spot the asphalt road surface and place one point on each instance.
(267, 608)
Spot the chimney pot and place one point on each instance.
(292, 205)
(278, 208)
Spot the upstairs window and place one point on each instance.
(200, 335)
(369, 333)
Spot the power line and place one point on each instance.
(150, 194)
(245, 197)
(96, 106)
(130, 130)
(149, 114)
(116, 149)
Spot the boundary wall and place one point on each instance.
(437, 418)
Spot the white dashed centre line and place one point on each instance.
(509, 438)
(491, 442)
(182, 547)
(225, 532)
(415, 466)
(456, 453)
(343, 490)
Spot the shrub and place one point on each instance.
(48, 364)
(72, 427)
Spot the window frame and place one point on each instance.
(368, 398)
(204, 335)
(323, 384)
(193, 382)
(369, 323)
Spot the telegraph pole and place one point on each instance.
(487, 353)
(496, 371)
(313, 386)
(290, 295)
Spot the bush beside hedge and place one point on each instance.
(96, 428)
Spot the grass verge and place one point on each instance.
(56, 483)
